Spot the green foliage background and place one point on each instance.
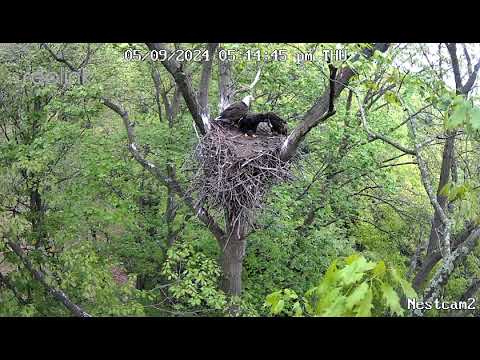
(72, 150)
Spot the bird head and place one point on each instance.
(247, 100)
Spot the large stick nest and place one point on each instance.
(236, 172)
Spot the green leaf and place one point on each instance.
(331, 275)
(460, 192)
(445, 190)
(290, 293)
(404, 284)
(458, 100)
(408, 289)
(459, 115)
(297, 309)
(379, 269)
(273, 298)
(326, 302)
(278, 307)
(336, 306)
(392, 98)
(371, 85)
(353, 272)
(365, 306)
(395, 276)
(351, 258)
(391, 299)
(357, 295)
(475, 118)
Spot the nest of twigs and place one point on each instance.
(236, 172)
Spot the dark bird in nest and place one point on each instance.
(249, 123)
(277, 124)
(236, 111)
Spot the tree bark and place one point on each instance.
(205, 81)
(443, 273)
(37, 211)
(224, 84)
(433, 258)
(233, 252)
(437, 224)
(320, 111)
(232, 266)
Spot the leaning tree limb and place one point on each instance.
(471, 290)
(443, 273)
(166, 180)
(320, 111)
(57, 294)
(176, 70)
(468, 295)
(170, 107)
(439, 210)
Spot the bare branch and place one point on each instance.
(422, 246)
(471, 290)
(60, 58)
(469, 61)
(471, 79)
(158, 92)
(293, 140)
(434, 257)
(472, 74)
(176, 70)
(40, 277)
(410, 117)
(372, 135)
(319, 112)
(257, 77)
(250, 87)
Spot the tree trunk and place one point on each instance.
(232, 259)
(233, 252)
(37, 211)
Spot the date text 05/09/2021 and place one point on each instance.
(201, 55)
